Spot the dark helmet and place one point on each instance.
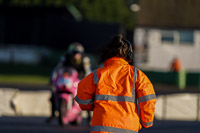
(75, 48)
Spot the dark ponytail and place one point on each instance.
(116, 47)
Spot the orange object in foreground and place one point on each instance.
(113, 92)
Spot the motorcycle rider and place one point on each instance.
(75, 58)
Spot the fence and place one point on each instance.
(172, 78)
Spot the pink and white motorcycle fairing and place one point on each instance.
(66, 84)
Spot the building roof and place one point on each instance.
(169, 13)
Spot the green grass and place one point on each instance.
(24, 79)
(25, 74)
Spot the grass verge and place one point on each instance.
(24, 79)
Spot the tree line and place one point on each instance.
(107, 11)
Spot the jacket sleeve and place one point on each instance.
(86, 93)
(146, 99)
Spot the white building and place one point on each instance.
(159, 47)
(160, 35)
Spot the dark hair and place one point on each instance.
(118, 47)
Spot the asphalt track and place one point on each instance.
(38, 125)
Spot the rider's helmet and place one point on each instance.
(75, 48)
(74, 55)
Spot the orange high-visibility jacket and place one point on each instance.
(114, 92)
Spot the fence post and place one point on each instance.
(182, 79)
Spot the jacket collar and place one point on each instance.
(115, 60)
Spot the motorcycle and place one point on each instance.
(65, 83)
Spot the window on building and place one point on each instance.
(177, 37)
(186, 37)
(167, 36)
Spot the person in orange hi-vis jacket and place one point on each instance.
(176, 65)
(120, 95)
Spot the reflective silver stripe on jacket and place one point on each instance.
(147, 123)
(134, 79)
(85, 102)
(146, 98)
(96, 79)
(115, 98)
(111, 129)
